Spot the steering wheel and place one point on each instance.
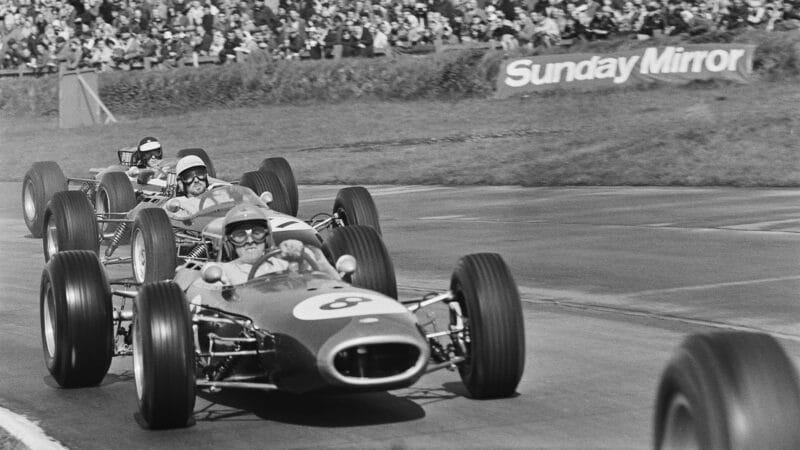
(272, 253)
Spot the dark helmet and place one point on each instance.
(149, 147)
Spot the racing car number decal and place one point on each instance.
(338, 305)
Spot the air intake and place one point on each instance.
(375, 361)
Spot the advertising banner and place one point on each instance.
(671, 64)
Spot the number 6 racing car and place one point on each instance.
(299, 331)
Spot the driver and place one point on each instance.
(248, 232)
(148, 155)
(192, 183)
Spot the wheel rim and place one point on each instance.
(49, 321)
(28, 202)
(51, 235)
(138, 256)
(103, 207)
(466, 365)
(138, 363)
(342, 214)
(679, 429)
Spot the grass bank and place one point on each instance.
(709, 135)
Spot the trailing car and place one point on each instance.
(298, 331)
(102, 187)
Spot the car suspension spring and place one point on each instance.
(118, 235)
(198, 252)
(224, 368)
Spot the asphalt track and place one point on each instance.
(611, 278)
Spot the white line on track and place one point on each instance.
(379, 192)
(27, 432)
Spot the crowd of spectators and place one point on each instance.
(125, 34)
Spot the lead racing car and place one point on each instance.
(301, 331)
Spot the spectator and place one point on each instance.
(545, 30)
(362, 40)
(101, 57)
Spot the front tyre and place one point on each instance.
(728, 390)
(495, 337)
(115, 195)
(42, 180)
(154, 254)
(260, 182)
(69, 224)
(163, 356)
(76, 319)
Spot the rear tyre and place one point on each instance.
(199, 152)
(728, 390)
(42, 180)
(281, 168)
(374, 268)
(76, 319)
(260, 182)
(354, 206)
(487, 294)
(115, 195)
(154, 254)
(69, 224)
(163, 356)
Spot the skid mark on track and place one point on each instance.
(387, 191)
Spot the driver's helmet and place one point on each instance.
(244, 221)
(148, 148)
(190, 167)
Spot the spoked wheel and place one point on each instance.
(728, 390)
(260, 182)
(42, 180)
(114, 195)
(354, 206)
(69, 224)
(76, 319)
(163, 356)
(495, 335)
(374, 268)
(200, 153)
(281, 168)
(154, 254)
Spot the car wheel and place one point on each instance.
(728, 390)
(76, 319)
(281, 168)
(199, 152)
(354, 205)
(42, 180)
(154, 254)
(260, 182)
(69, 224)
(163, 356)
(374, 268)
(114, 195)
(495, 336)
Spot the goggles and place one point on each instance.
(189, 176)
(151, 154)
(257, 233)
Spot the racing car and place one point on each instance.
(45, 178)
(160, 236)
(298, 331)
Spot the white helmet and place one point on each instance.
(189, 162)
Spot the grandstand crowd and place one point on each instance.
(124, 34)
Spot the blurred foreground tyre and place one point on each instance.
(69, 224)
(374, 267)
(163, 356)
(281, 168)
(354, 206)
(200, 153)
(495, 351)
(154, 253)
(728, 390)
(42, 180)
(76, 319)
(260, 181)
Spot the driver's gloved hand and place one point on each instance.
(292, 250)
